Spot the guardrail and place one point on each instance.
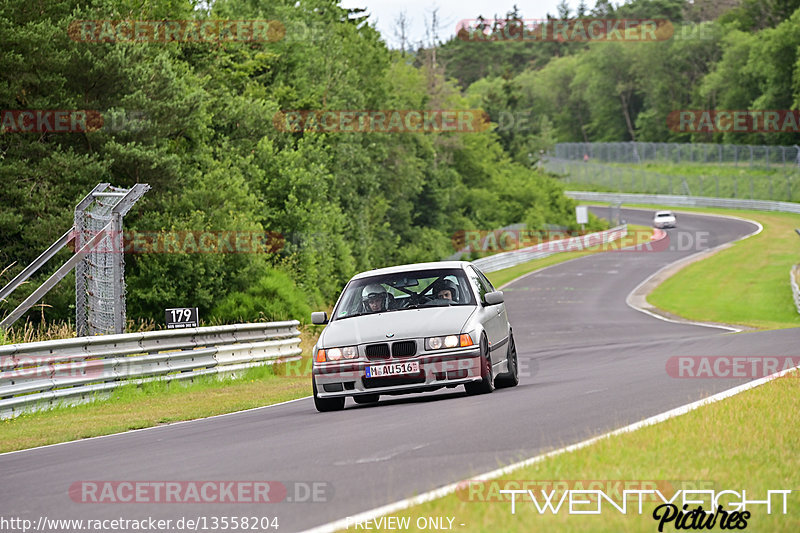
(39, 375)
(684, 201)
(503, 260)
(794, 280)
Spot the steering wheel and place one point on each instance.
(421, 299)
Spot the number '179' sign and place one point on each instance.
(181, 317)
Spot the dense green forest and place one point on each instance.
(195, 121)
(723, 54)
(199, 130)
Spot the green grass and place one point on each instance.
(747, 284)
(135, 407)
(152, 404)
(724, 181)
(749, 441)
(729, 170)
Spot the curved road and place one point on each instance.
(589, 364)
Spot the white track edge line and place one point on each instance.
(448, 489)
(234, 412)
(759, 229)
(452, 487)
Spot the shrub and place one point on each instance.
(273, 297)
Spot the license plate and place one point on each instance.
(394, 369)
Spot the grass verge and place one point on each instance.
(47, 331)
(748, 442)
(746, 284)
(152, 404)
(695, 179)
(160, 403)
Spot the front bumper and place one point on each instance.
(437, 370)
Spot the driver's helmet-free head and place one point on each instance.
(441, 287)
(375, 298)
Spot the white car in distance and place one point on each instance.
(664, 219)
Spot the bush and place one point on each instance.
(425, 244)
(273, 297)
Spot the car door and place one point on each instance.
(493, 317)
(501, 314)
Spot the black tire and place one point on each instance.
(510, 378)
(366, 398)
(325, 405)
(486, 384)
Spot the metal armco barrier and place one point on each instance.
(39, 375)
(515, 257)
(684, 201)
(794, 280)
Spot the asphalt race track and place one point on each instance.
(589, 364)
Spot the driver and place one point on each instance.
(375, 298)
(446, 290)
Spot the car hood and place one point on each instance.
(404, 324)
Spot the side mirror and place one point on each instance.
(494, 298)
(319, 318)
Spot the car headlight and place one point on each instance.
(448, 341)
(336, 354)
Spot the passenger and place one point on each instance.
(446, 290)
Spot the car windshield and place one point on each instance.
(404, 290)
(664, 214)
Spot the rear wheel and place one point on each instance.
(486, 384)
(510, 378)
(325, 405)
(366, 398)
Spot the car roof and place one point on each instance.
(660, 213)
(435, 265)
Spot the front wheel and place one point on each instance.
(325, 405)
(486, 384)
(510, 378)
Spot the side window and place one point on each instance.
(478, 283)
(464, 294)
(349, 304)
(485, 281)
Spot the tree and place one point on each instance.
(402, 22)
(604, 79)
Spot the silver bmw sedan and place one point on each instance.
(413, 328)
